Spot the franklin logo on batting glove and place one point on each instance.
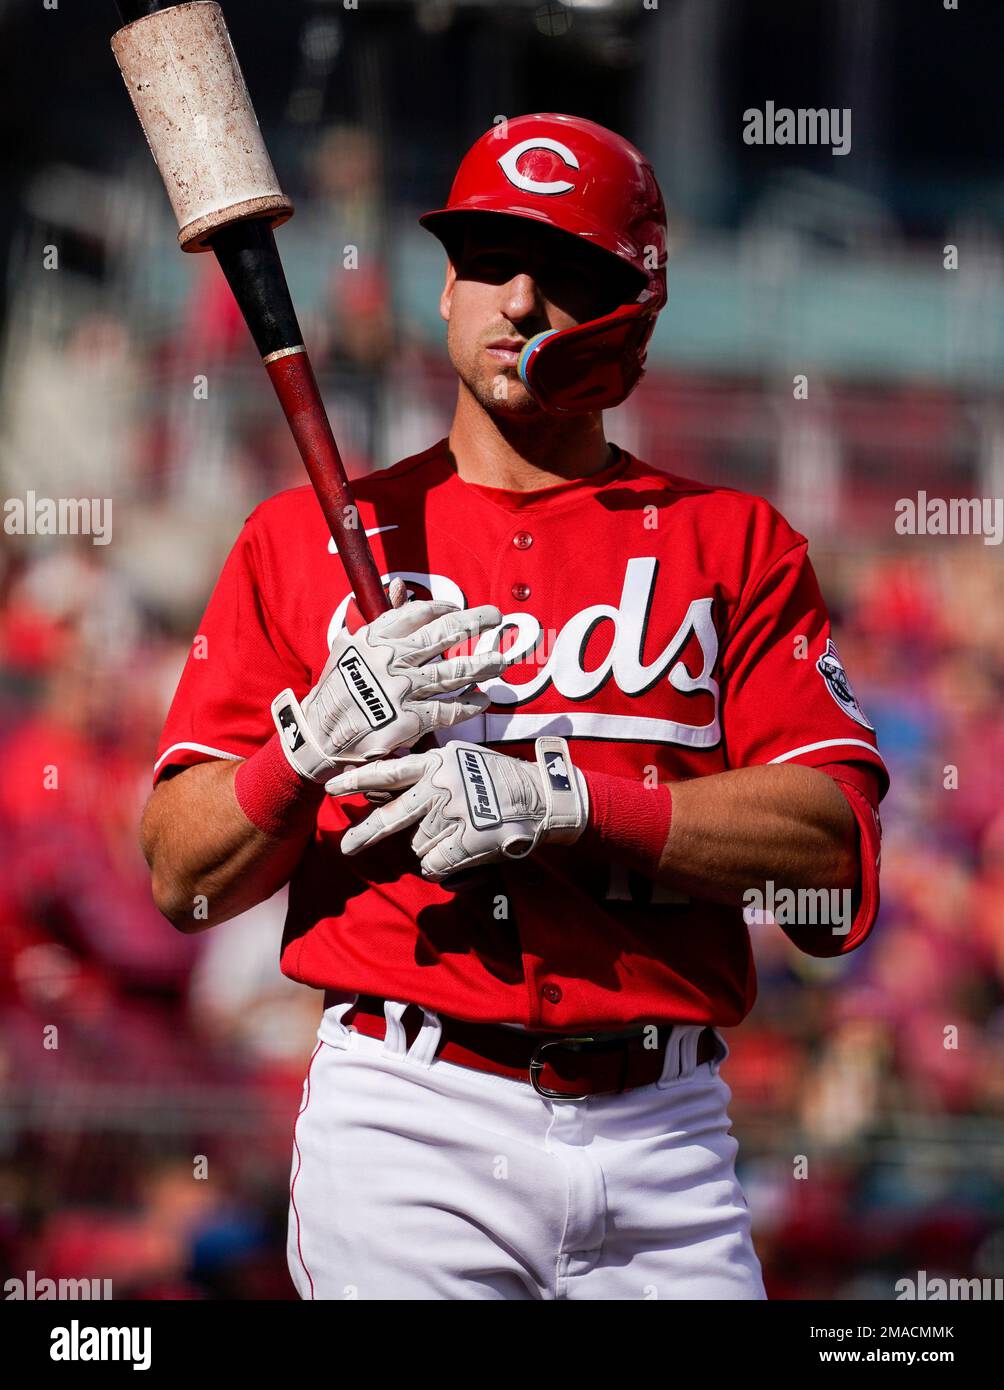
(481, 798)
(474, 808)
(363, 686)
(383, 688)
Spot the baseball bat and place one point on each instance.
(203, 134)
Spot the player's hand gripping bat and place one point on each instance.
(186, 85)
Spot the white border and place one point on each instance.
(197, 748)
(830, 743)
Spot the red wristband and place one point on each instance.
(627, 821)
(273, 795)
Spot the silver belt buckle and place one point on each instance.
(537, 1066)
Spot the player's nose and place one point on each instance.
(520, 297)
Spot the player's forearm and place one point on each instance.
(208, 861)
(736, 830)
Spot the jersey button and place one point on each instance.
(522, 540)
(552, 993)
(521, 591)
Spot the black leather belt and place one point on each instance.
(559, 1066)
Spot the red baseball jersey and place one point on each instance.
(666, 628)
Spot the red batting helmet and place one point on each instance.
(580, 178)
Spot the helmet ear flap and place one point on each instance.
(593, 366)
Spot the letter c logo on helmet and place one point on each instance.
(613, 204)
(508, 163)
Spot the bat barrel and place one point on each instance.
(185, 83)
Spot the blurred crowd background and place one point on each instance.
(784, 260)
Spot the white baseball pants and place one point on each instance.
(415, 1178)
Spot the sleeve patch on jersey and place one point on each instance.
(831, 668)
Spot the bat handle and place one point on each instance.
(296, 386)
(247, 254)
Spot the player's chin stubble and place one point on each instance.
(498, 391)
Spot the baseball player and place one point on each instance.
(521, 813)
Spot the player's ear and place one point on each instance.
(446, 298)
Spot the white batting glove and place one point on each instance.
(472, 805)
(381, 688)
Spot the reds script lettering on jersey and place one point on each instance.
(658, 622)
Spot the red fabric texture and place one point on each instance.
(627, 821)
(273, 795)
